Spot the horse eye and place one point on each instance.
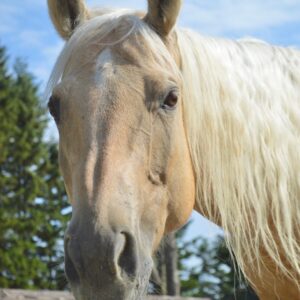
(170, 101)
(54, 108)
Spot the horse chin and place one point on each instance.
(125, 289)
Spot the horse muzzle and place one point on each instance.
(105, 265)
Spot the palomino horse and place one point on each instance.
(155, 121)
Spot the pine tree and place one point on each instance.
(31, 191)
(212, 272)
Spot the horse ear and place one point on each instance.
(66, 15)
(162, 15)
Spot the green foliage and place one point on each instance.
(32, 195)
(207, 270)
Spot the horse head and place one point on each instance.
(116, 97)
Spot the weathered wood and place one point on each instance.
(33, 295)
(6, 294)
(173, 298)
(173, 286)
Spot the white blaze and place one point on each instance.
(104, 66)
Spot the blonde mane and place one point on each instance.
(243, 127)
(242, 113)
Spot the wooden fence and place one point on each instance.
(47, 295)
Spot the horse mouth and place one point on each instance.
(109, 288)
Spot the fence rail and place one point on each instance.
(6, 294)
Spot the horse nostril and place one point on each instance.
(70, 270)
(127, 260)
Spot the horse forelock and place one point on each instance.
(99, 32)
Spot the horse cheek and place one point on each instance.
(182, 194)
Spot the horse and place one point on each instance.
(155, 121)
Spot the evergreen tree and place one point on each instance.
(207, 270)
(31, 191)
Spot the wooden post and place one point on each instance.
(171, 257)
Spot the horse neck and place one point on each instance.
(240, 115)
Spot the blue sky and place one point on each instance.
(26, 31)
